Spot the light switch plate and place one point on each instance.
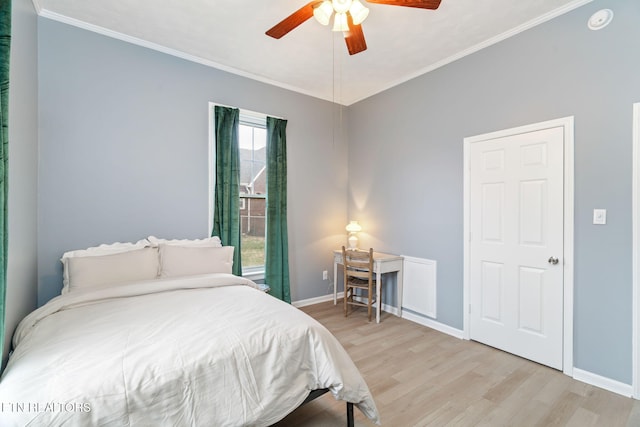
(600, 216)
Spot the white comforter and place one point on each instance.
(198, 351)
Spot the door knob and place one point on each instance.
(553, 260)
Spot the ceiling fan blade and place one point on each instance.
(292, 21)
(354, 38)
(423, 4)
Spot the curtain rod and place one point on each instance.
(245, 110)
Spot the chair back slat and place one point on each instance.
(359, 274)
(357, 263)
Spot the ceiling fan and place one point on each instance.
(349, 15)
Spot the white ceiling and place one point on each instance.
(229, 34)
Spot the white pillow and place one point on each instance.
(104, 249)
(112, 269)
(190, 260)
(213, 242)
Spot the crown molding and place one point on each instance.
(193, 58)
(36, 5)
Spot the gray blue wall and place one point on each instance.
(123, 137)
(123, 153)
(23, 168)
(407, 190)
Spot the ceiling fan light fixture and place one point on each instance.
(347, 17)
(340, 22)
(341, 6)
(358, 12)
(323, 12)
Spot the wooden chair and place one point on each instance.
(358, 274)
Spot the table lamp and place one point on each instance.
(353, 227)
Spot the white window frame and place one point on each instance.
(247, 117)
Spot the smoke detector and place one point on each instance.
(600, 19)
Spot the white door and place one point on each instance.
(516, 244)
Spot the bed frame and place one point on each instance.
(314, 394)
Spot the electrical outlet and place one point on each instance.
(325, 275)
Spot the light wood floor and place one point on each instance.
(421, 377)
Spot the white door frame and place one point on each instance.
(567, 124)
(635, 200)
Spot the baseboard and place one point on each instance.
(433, 324)
(603, 382)
(389, 309)
(324, 298)
(316, 300)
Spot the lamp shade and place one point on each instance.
(323, 12)
(358, 12)
(340, 22)
(353, 227)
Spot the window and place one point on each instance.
(242, 170)
(252, 139)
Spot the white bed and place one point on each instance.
(199, 350)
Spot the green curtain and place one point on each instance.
(277, 250)
(5, 50)
(226, 210)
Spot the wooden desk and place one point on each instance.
(382, 263)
